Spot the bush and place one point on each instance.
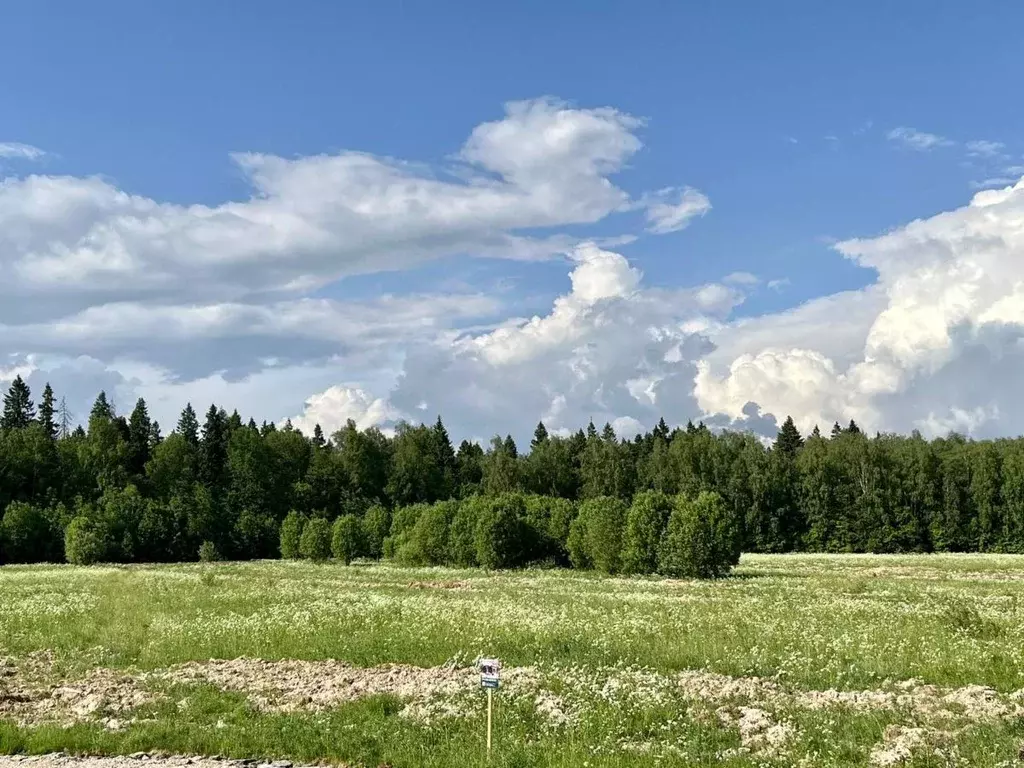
(256, 534)
(158, 533)
(315, 543)
(86, 541)
(576, 544)
(426, 543)
(702, 539)
(549, 518)
(502, 537)
(376, 527)
(645, 527)
(120, 512)
(402, 523)
(27, 534)
(605, 519)
(347, 540)
(562, 514)
(291, 534)
(208, 552)
(462, 532)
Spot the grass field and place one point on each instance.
(796, 660)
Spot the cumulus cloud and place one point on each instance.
(13, 150)
(673, 209)
(609, 349)
(936, 343)
(223, 302)
(917, 140)
(313, 220)
(333, 407)
(86, 268)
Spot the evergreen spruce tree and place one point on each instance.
(788, 441)
(19, 411)
(213, 449)
(48, 413)
(318, 436)
(509, 447)
(540, 436)
(188, 426)
(101, 408)
(444, 456)
(139, 436)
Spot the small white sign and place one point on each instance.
(490, 673)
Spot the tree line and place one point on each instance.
(120, 490)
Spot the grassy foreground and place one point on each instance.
(796, 660)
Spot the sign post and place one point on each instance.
(490, 679)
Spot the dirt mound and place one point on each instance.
(137, 760)
(32, 692)
(291, 685)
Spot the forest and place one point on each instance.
(224, 487)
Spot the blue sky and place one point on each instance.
(803, 126)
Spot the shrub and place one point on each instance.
(645, 526)
(561, 515)
(291, 534)
(26, 534)
(402, 523)
(86, 541)
(347, 541)
(158, 533)
(549, 519)
(502, 538)
(426, 543)
(702, 539)
(462, 532)
(120, 512)
(208, 552)
(315, 543)
(376, 526)
(576, 543)
(256, 534)
(605, 519)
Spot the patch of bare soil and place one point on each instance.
(291, 685)
(30, 693)
(975, 703)
(137, 760)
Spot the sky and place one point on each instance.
(505, 213)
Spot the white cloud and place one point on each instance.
(741, 278)
(88, 268)
(917, 140)
(337, 404)
(609, 349)
(232, 302)
(13, 150)
(673, 209)
(313, 220)
(936, 343)
(16, 367)
(982, 148)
